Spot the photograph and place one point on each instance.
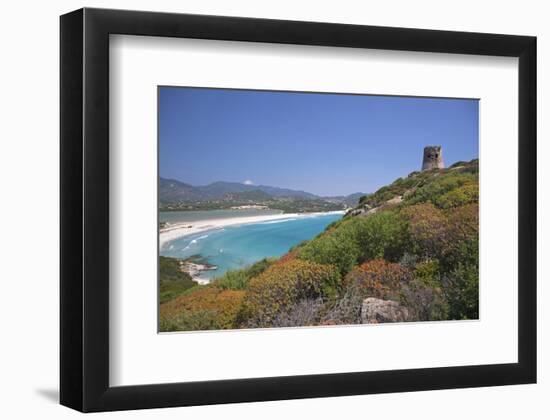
(303, 209)
(297, 206)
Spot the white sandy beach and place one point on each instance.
(180, 230)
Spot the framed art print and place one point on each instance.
(258, 209)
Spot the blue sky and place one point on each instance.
(326, 144)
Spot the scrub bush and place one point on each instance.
(427, 226)
(279, 288)
(466, 194)
(380, 235)
(461, 283)
(379, 279)
(238, 279)
(205, 308)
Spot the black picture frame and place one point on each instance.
(84, 127)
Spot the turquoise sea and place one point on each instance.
(237, 246)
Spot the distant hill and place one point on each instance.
(218, 189)
(254, 195)
(285, 192)
(172, 191)
(177, 195)
(353, 199)
(349, 200)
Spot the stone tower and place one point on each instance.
(433, 158)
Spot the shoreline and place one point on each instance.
(194, 269)
(181, 230)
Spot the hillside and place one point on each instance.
(252, 195)
(173, 191)
(177, 195)
(408, 252)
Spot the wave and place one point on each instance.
(194, 241)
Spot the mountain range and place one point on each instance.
(173, 191)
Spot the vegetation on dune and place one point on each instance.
(413, 243)
(285, 204)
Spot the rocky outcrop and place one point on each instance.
(366, 210)
(375, 311)
(356, 212)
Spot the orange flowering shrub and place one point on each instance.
(463, 222)
(427, 229)
(435, 233)
(282, 285)
(462, 231)
(201, 309)
(289, 256)
(378, 278)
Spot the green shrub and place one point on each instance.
(172, 280)
(398, 188)
(461, 282)
(363, 199)
(457, 164)
(467, 193)
(428, 273)
(339, 249)
(380, 235)
(442, 184)
(461, 287)
(238, 279)
(190, 321)
(423, 186)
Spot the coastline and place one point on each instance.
(181, 230)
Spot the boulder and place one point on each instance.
(375, 311)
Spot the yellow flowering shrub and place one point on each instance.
(284, 284)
